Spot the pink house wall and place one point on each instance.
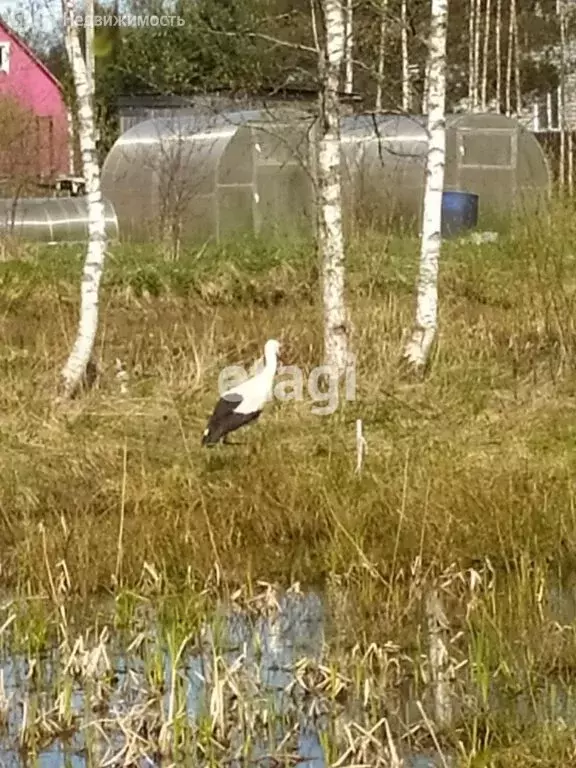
(34, 87)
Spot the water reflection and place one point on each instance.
(269, 646)
(272, 645)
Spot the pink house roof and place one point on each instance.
(26, 48)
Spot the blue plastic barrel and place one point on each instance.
(459, 212)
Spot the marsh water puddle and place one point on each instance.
(269, 647)
(58, 716)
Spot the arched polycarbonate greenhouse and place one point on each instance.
(384, 161)
(208, 178)
(52, 219)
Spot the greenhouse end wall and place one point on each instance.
(384, 162)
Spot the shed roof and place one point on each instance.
(157, 100)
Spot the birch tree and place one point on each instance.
(561, 11)
(517, 84)
(349, 49)
(498, 55)
(472, 83)
(484, 85)
(509, 60)
(418, 348)
(330, 235)
(381, 54)
(80, 356)
(477, 33)
(406, 84)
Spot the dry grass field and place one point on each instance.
(469, 468)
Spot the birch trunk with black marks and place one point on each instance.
(80, 356)
(349, 49)
(406, 84)
(330, 235)
(418, 348)
(381, 55)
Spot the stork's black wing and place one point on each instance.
(225, 419)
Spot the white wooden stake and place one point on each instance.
(439, 659)
(361, 446)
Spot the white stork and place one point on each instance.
(243, 403)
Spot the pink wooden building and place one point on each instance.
(34, 137)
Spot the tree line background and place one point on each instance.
(255, 45)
